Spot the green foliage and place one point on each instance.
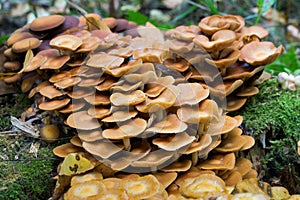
(3, 39)
(263, 6)
(211, 4)
(141, 19)
(287, 62)
(26, 180)
(274, 112)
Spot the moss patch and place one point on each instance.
(275, 114)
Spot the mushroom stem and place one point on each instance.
(200, 131)
(127, 145)
(195, 158)
(223, 71)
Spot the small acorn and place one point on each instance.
(49, 133)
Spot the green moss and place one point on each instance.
(275, 113)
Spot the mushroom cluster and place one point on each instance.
(146, 101)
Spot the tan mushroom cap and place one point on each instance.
(204, 141)
(202, 185)
(231, 144)
(251, 174)
(82, 120)
(54, 104)
(219, 40)
(132, 65)
(72, 107)
(89, 44)
(141, 187)
(219, 162)
(179, 46)
(66, 42)
(248, 91)
(102, 148)
(249, 142)
(25, 44)
(260, 53)
(259, 31)
(120, 116)
(53, 59)
(81, 178)
(235, 103)
(207, 110)
(86, 190)
(129, 129)
(155, 88)
(88, 82)
(65, 149)
(170, 124)
(98, 99)
(174, 142)
(233, 178)
(127, 87)
(211, 24)
(104, 60)
(17, 36)
(51, 92)
(178, 166)
(90, 135)
(190, 94)
(243, 165)
(165, 100)
(107, 84)
(99, 112)
(133, 98)
(59, 76)
(146, 73)
(67, 82)
(153, 159)
(79, 93)
(75, 140)
(12, 65)
(36, 89)
(224, 63)
(165, 179)
(46, 22)
(240, 70)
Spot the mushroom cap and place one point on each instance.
(59, 76)
(104, 60)
(142, 187)
(155, 88)
(86, 190)
(178, 166)
(198, 187)
(66, 42)
(133, 98)
(171, 124)
(174, 142)
(260, 53)
(231, 144)
(211, 24)
(235, 103)
(49, 133)
(55, 104)
(72, 107)
(165, 179)
(18, 36)
(203, 142)
(190, 94)
(53, 59)
(80, 92)
(132, 65)
(120, 116)
(46, 22)
(90, 135)
(259, 31)
(51, 92)
(67, 82)
(249, 142)
(82, 120)
(153, 159)
(75, 140)
(219, 162)
(65, 149)
(129, 129)
(102, 148)
(247, 91)
(25, 44)
(219, 40)
(98, 99)
(81, 178)
(233, 178)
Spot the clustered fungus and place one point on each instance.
(288, 81)
(145, 102)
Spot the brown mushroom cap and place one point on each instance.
(248, 91)
(133, 98)
(104, 60)
(219, 162)
(72, 107)
(254, 30)
(171, 124)
(98, 99)
(82, 120)
(260, 53)
(235, 103)
(190, 94)
(129, 129)
(120, 116)
(25, 44)
(67, 82)
(65, 149)
(53, 59)
(54, 104)
(204, 141)
(51, 92)
(46, 22)
(153, 159)
(102, 148)
(17, 36)
(66, 42)
(90, 135)
(231, 144)
(179, 166)
(174, 142)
